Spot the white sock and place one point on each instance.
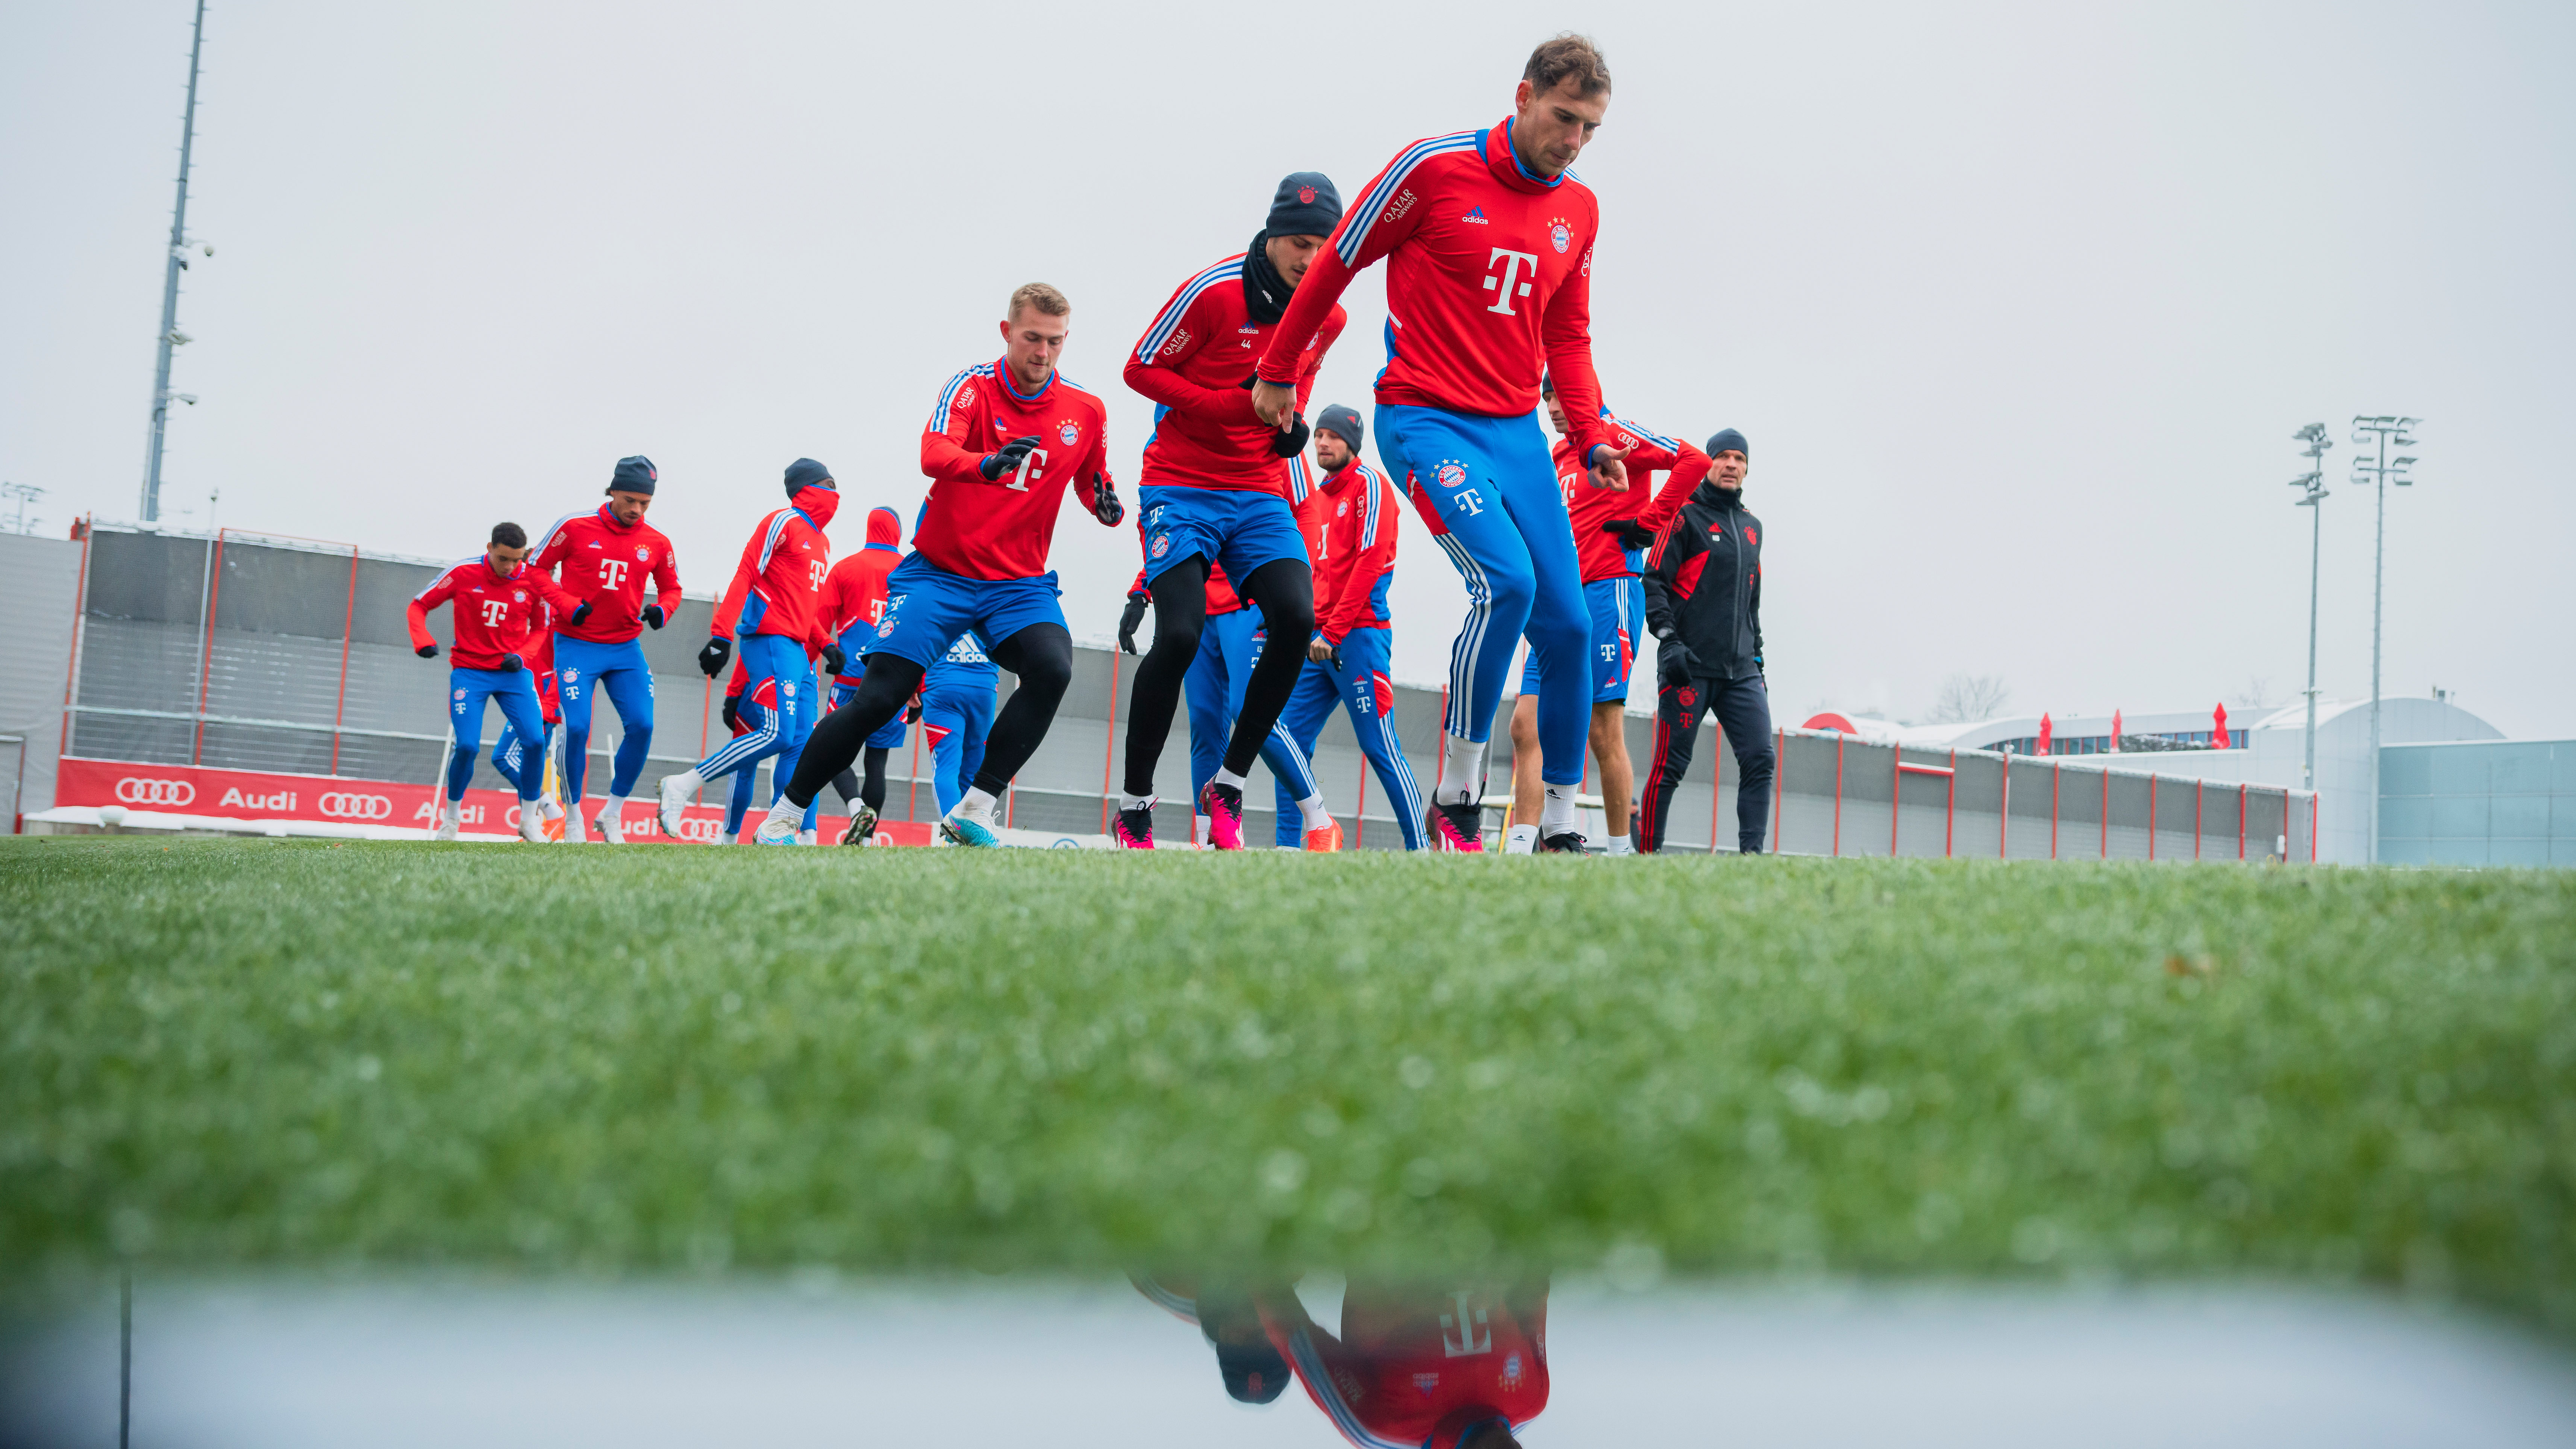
(455, 812)
(1199, 829)
(553, 810)
(976, 806)
(1556, 814)
(687, 782)
(1520, 840)
(789, 812)
(1317, 817)
(610, 813)
(1462, 771)
(1621, 845)
(1225, 776)
(1137, 802)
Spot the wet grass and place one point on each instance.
(216, 1054)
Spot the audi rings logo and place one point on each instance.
(348, 806)
(134, 791)
(705, 832)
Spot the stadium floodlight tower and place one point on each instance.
(176, 263)
(2379, 434)
(2313, 483)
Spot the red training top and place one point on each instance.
(1589, 507)
(1416, 1369)
(1003, 530)
(854, 593)
(604, 563)
(1353, 547)
(494, 614)
(1193, 362)
(1488, 284)
(778, 587)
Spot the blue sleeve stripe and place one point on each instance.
(1647, 433)
(1319, 1379)
(445, 573)
(1169, 319)
(1355, 228)
(777, 527)
(939, 413)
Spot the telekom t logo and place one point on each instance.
(1516, 265)
(1032, 470)
(612, 571)
(494, 611)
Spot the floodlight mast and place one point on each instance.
(2377, 433)
(172, 265)
(2313, 482)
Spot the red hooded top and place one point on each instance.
(778, 587)
(854, 593)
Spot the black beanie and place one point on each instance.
(1307, 205)
(633, 475)
(1726, 438)
(1342, 420)
(804, 473)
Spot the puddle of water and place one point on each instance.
(280, 1364)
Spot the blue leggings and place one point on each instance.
(1487, 490)
(516, 694)
(512, 757)
(1363, 688)
(1229, 644)
(779, 703)
(964, 711)
(746, 781)
(584, 671)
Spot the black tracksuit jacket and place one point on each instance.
(1704, 584)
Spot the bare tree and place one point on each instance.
(2256, 693)
(1966, 698)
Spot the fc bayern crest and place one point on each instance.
(460, 694)
(1561, 237)
(886, 629)
(519, 595)
(643, 554)
(1453, 475)
(1305, 196)
(1162, 544)
(1069, 433)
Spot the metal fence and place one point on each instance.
(256, 652)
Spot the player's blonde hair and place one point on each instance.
(1041, 296)
(1570, 60)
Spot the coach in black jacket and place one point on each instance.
(1704, 603)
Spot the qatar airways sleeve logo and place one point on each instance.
(1516, 265)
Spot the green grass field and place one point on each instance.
(215, 1054)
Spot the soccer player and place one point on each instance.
(1704, 603)
(1488, 243)
(957, 713)
(1251, 1368)
(1004, 440)
(1612, 528)
(854, 603)
(1464, 1368)
(1348, 659)
(499, 603)
(604, 559)
(1214, 491)
(774, 606)
(510, 754)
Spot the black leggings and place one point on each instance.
(1284, 590)
(1041, 655)
(871, 794)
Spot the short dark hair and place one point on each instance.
(1569, 59)
(509, 535)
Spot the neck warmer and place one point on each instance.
(818, 505)
(1265, 292)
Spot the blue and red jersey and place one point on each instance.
(494, 613)
(1004, 529)
(854, 593)
(778, 587)
(1488, 285)
(1353, 546)
(1419, 1369)
(605, 564)
(1589, 506)
(1193, 363)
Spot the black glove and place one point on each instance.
(577, 615)
(1673, 662)
(512, 664)
(1007, 458)
(653, 616)
(912, 711)
(427, 651)
(1104, 500)
(712, 658)
(1127, 623)
(733, 711)
(1337, 659)
(833, 659)
(1632, 534)
(1292, 442)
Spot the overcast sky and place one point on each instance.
(2018, 304)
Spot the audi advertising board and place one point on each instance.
(251, 795)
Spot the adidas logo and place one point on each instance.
(1476, 214)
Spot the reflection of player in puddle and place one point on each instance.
(1414, 1367)
(1253, 1371)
